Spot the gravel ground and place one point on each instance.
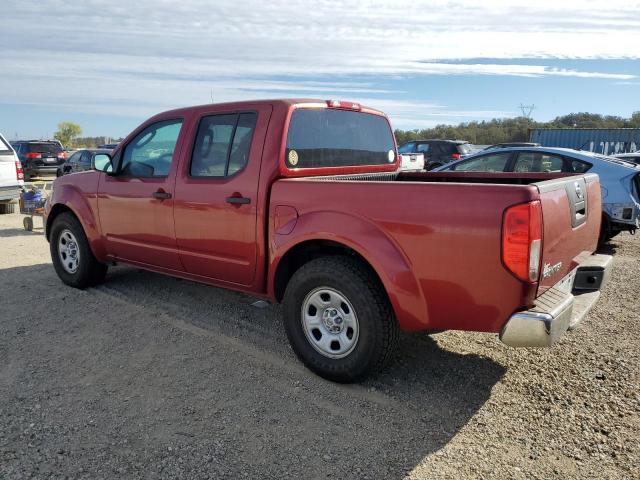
(152, 377)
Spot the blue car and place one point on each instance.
(620, 180)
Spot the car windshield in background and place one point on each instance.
(465, 148)
(338, 138)
(44, 148)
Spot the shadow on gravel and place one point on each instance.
(20, 232)
(607, 248)
(109, 383)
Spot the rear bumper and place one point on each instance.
(560, 308)
(10, 193)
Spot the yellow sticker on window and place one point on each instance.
(293, 157)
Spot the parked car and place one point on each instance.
(629, 157)
(79, 161)
(512, 144)
(620, 180)
(301, 202)
(11, 177)
(108, 146)
(39, 158)
(437, 152)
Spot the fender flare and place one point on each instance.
(69, 197)
(371, 243)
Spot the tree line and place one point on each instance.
(500, 130)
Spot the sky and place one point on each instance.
(109, 65)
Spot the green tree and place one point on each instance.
(67, 133)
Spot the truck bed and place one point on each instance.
(448, 227)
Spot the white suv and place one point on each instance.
(11, 177)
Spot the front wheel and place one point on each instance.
(338, 320)
(72, 257)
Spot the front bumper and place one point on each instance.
(560, 308)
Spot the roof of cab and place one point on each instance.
(284, 103)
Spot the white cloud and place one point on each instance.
(140, 57)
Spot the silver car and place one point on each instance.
(619, 179)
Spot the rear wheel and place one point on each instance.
(72, 257)
(338, 321)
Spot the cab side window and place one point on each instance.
(222, 145)
(150, 153)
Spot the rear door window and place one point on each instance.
(223, 144)
(495, 162)
(538, 162)
(323, 137)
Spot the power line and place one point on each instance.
(527, 110)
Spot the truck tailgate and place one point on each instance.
(571, 214)
(8, 169)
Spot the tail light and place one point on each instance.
(34, 155)
(456, 156)
(62, 156)
(522, 240)
(19, 171)
(343, 105)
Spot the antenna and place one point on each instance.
(527, 110)
(212, 95)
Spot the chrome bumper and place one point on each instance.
(560, 308)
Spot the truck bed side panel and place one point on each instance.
(449, 234)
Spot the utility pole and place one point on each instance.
(527, 110)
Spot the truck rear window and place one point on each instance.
(338, 138)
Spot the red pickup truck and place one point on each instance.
(302, 202)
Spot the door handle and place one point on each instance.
(161, 195)
(237, 200)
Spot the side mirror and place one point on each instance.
(102, 163)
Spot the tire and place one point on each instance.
(351, 301)
(67, 234)
(27, 223)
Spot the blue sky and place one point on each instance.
(108, 65)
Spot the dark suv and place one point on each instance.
(437, 152)
(39, 157)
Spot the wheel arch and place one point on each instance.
(382, 257)
(68, 199)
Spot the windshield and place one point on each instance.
(323, 137)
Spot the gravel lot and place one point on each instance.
(152, 377)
